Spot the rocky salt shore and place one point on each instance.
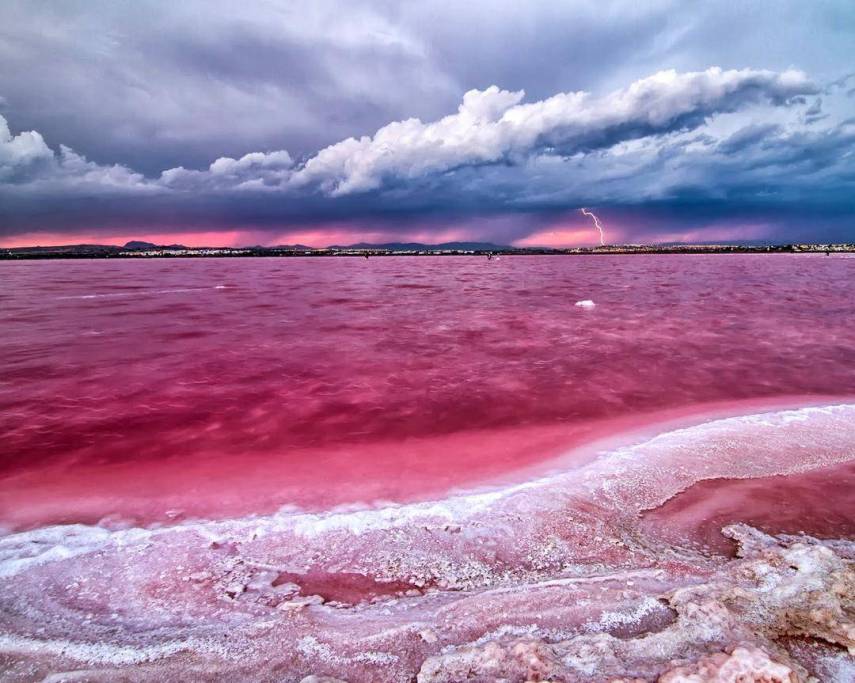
(564, 578)
(731, 628)
(782, 611)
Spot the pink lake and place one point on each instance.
(181, 388)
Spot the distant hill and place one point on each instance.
(90, 249)
(419, 246)
(289, 247)
(140, 245)
(66, 248)
(140, 249)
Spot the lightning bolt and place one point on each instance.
(596, 225)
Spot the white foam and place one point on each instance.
(20, 552)
(121, 295)
(585, 303)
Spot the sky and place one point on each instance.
(338, 121)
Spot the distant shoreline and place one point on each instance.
(107, 251)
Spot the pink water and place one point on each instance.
(490, 431)
(326, 381)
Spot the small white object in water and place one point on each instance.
(586, 303)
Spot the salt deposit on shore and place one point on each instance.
(558, 578)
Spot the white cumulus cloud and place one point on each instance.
(20, 152)
(27, 160)
(493, 125)
(257, 170)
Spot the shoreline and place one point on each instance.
(206, 489)
(95, 252)
(552, 579)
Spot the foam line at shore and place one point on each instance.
(633, 477)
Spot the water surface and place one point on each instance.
(180, 386)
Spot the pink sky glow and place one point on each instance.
(571, 231)
(316, 236)
(231, 238)
(565, 233)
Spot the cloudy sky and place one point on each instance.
(276, 122)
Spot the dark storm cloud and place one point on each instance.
(278, 115)
(153, 85)
(747, 137)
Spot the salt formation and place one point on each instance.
(743, 664)
(555, 578)
(729, 624)
(726, 628)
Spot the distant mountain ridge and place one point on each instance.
(142, 249)
(292, 247)
(420, 246)
(140, 245)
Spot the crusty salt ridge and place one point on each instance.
(558, 564)
(725, 629)
(741, 664)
